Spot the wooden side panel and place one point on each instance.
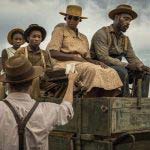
(127, 117)
(140, 145)
(96, 116)
(96, 145)
(61, 141)
(68, 141)
(107, 116)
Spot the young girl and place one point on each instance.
(16, 39)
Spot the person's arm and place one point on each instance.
(65, 57)
(101, 48)
(69, 92)
(55, 45)
(64, 112)
(131, 57)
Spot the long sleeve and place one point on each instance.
(101, 47)
(131, 57)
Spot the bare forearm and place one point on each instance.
(65, 57)
(69, 92)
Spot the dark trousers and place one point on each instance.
(127, 77)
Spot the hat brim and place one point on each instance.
(30, 29)
(119, 11)
(36, 73)
(64, 14)
(9, 37)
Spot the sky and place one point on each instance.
(22, 13)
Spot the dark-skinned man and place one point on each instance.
(110, 45)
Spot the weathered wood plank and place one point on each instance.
(108, 116)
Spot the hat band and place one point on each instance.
(24, 76)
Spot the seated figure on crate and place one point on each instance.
(16, 39)
(69, 46)
(25, 123)
(34, 35)
(110, 45)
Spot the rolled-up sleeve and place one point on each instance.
(56, 39)
(131, 57)
(57, 114)
(65, 113)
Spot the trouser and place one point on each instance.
(128, 77)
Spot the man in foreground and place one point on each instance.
(41, 118)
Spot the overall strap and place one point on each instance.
(21, 123)
(43, 60)
(26, 52)
(125, 43)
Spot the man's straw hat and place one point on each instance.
(122, 9)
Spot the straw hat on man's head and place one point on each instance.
(18, 70)
(122, 9)
(73, 10)
(11, 34)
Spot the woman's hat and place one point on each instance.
(19, 69)
(13, 31)
(73, 10)
(33, 27)
(122, 9)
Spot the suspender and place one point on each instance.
(21, 123)
(42, 57)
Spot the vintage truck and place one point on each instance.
(104, 123)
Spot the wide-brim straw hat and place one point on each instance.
(15, 30)
(19, 69)
(73, 10)
(33, 27)
(122, 9)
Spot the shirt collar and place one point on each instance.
(75, 34)
(30, 50)
(112, 30)
(19, 96)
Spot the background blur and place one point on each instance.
(22, 13)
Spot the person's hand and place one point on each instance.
(72, 76)
(139, 67)
(97, 62)
(146, 69)
(78, 57)
(132, 66)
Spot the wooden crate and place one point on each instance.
(108, 116)
(68, 141)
